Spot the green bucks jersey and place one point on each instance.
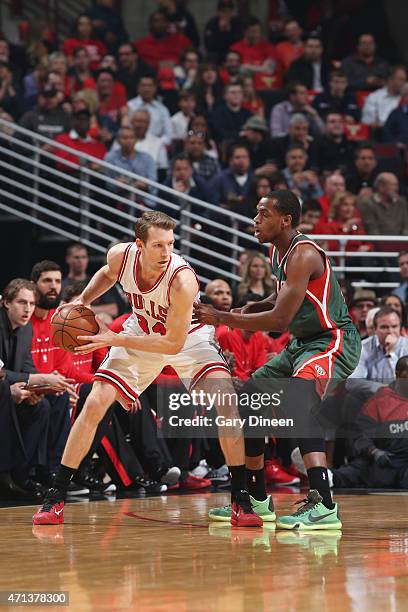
(324, 307)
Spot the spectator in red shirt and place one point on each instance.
(77, 138)
(252, 102)
(292, 47)
(344, 218)
(257, 54)
(333, 185)
(160, 46)
(112, 96)
(80, 75)
(84, 37)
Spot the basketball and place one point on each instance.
(71, 322)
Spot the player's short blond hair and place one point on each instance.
(153, 218)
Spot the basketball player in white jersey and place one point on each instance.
(161, 287)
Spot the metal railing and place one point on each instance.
(79, 201)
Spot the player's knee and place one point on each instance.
(95, 409)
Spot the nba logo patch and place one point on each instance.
(319, 370)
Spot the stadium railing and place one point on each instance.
(81, 202)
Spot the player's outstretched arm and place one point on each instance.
(302, 264)
(182, 294)
(105, 277)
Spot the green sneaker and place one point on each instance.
(312, 515)
(264, 509)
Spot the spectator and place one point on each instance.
(228, 118)
(334, 149)
(380, 462)
(299, 135)
(132, 69)
(80, 75)
(257, 54)
(260, 187)
(180, 20)
(77, 138)
(310, 69)
(183, 181)
(333, 185)
(130, 159)
(199, 123)
(292, 47)
(365, 70)
(256, 278)
(47, 118)
(256, 138)
(231, 70)
(369, 321)
(219, 292)
(385, 213)
(222, 31)
(394, 302)
(208, 88)
(84, 37)
(160, 121)
(379, 355)
(109, 62)
(402, 290)
(249, 349)
(252, 102)
(77, 259)
(181, 119)
(108, 24)
(159, 47)
(148, 143)
(338, 98)
(102, 127)
(298, 102)
(9, 94)
(31, 418)
(360, 178)
(344, 218)
(363, 301)
(204, 165)
(304, 182)
(112, 96)
(310, 217)
(231, 186)
(186, 72)
(396, 126)
(379, 104)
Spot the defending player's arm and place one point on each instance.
(182, 293)
(302, 264)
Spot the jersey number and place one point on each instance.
(158, 328)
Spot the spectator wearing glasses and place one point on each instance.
(132, 69)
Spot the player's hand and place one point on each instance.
(205, 313)
(76, 302)
(96, 342)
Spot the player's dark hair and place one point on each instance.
(43, 266)
(383, 312)
(402, 365)
(287, 203)
(152, 218)
(13, 287)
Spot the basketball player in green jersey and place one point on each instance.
(325, 348)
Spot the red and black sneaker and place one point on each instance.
(52, 510)
(242, 514)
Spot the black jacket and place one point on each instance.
(18, 367)
(301, 71)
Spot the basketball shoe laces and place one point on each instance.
(52, 497)
(308, 503)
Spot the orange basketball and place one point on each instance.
(69, 323)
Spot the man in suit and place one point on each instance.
(310, 69)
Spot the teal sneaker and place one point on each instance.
(312, 515)
(264, 509)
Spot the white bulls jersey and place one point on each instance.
(150, 307)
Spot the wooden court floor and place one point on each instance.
(160, 554)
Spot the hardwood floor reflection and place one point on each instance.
(160, 554)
